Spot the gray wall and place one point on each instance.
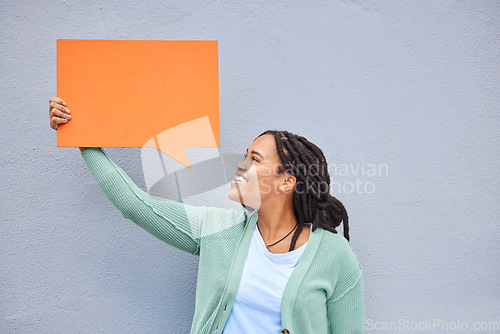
(407, 86)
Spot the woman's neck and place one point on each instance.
(276, 221)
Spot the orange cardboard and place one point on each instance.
(139, 93)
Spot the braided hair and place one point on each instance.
(312, 201)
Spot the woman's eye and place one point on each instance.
(252, 158)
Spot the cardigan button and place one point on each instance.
(285, 331)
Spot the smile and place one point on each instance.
(239, 179)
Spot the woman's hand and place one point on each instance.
(59, 114)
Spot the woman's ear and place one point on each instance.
(288, 183)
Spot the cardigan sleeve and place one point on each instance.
(346, 305)
(175, 223)
(346, 315)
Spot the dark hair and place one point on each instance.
(312, 204)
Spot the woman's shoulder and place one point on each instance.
(341, 250)
(219, 219)
(343, 264)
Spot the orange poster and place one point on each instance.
(139, 93)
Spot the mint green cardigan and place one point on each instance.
(324, 294)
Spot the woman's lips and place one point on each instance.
(239, 180)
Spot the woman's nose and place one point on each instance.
(241, 165)
(244, 164)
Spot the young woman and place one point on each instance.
(277, 267)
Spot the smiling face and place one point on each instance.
(257, 178)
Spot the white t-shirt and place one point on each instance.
(257, 305)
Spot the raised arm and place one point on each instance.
(175, 223)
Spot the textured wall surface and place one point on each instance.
(402, 96)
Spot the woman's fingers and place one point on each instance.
(57, 100)
(57, 106)
(55, 121)
(58, 113)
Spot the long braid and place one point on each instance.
(312, 201)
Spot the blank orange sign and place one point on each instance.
(139, 93)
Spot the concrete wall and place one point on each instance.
(408, 87)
